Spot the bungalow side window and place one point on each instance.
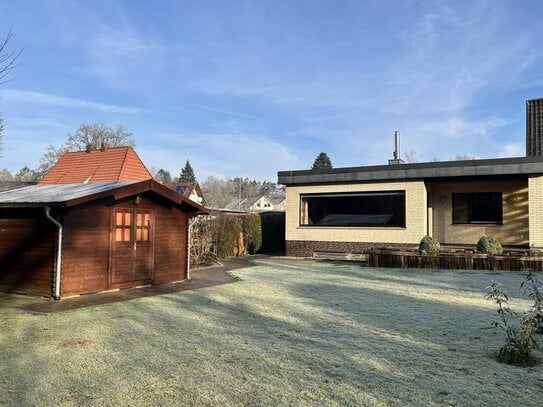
(353, 209)
(477, 207)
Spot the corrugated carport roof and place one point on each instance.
(57, 194)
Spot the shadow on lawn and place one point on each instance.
(438, 279)
(313, 342)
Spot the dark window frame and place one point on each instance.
(303, 203)
(470, 201)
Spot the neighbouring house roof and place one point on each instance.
(246, 204)
(104, 165)
(522, 166)
(275, 199)
(186, 189)
(237, 204)
(68, 195)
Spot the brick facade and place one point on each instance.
(414, 230)
(522, 217)
(535, 209)
(513, 231)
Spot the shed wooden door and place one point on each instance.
(132, 247)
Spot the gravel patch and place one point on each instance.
(290, 333)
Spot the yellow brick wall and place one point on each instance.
(415, 201)
(514, 230)
(535, 199)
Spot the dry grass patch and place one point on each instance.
(291, 333)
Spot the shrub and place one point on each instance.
(489, 245)
(226, 230)
(429, 245)
(520, 338)
(252, 228)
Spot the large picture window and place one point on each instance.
(478, 207)
(354, 209)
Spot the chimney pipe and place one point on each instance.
(103, 147)
(396, 145)
(396, 155)
(89, 148)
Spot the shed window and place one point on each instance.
(477, 207)
(123, 226)
(143, 225)
(354, 209)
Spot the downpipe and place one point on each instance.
(56, 296)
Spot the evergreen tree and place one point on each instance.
(322, 162)
(187, 174)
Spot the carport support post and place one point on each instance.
(56, 296)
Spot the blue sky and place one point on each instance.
(247, 88)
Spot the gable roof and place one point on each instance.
(237, 204)
(104, 165)
(186, 189)
(274, 199)
(68, 195)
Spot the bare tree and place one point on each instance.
(8, 61)
(95, 135)
(49, 158)
(464, 157)
(26, 174)
(98, 134)
(411, 156)
(163, 175)
(5, 175)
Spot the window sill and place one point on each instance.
(477, 224)
(308, 227)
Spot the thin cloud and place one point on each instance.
(113, 52)
(39, 98)
(256, 157)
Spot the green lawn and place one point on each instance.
(291, 333)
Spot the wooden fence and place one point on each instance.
(453, 261)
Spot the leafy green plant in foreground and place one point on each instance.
(534, 289)
(520, 337)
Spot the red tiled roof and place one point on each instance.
(112, 164)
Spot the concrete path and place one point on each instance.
(200, 278)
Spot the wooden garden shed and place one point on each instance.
(68, 239)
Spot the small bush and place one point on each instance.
(429, 245)
(520, 337)
(489, 245)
